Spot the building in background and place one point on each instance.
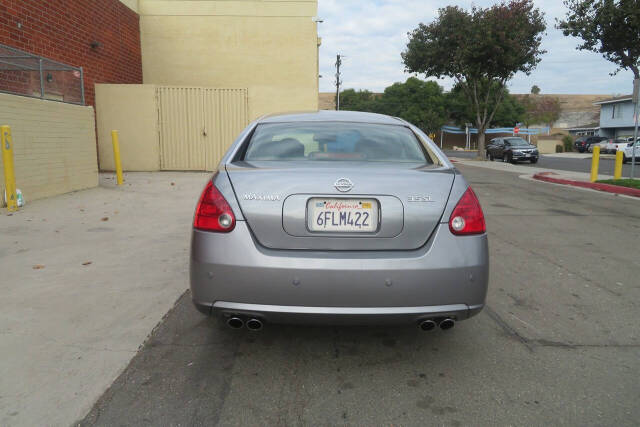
(589, 129)
(209, 67)
(100, 36)
(616, 117)
(179, 78)
(268, 47)
(51, 55)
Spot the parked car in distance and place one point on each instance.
(602, 144)
(628, 152)
(612, 145)
(583, 143)
(622, 144)
(337, 217)
(512, 149)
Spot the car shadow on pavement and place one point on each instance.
(194, 369)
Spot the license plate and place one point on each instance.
(342, 215)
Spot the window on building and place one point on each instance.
(615, 111)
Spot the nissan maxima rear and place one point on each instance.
(338, 218)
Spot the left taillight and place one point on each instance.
(213, 213)
(467, 217)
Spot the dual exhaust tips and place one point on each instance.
(256, 324)
(251, 324)
(429, 324)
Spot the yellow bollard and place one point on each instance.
(595, 160)
(9, 173)
(116, 155)
(617, 171)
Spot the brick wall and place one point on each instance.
(54, 149)
(63, 30)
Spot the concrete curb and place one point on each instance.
(627, 191)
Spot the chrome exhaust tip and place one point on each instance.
(427, 325)
(254, 324)
(447, 324)
(235, 322)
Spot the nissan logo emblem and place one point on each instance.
(343, 184)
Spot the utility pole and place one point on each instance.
(338, 81)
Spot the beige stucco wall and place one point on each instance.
(54, 146)
(132, 4)
(548, 146)
(132, 111)
(269, 47)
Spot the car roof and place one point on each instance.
(331, 116)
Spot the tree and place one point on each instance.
(482, 49)
(609, 27)
(535, 90)
(422, 103)
(461, 111)
(361, 100)
(541, 109)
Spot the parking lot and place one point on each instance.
(85, 278)
(557, 343)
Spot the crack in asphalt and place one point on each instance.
(507, 328)
(547, 343)
(556, 264)
(531, 344)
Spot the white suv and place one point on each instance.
(622, 144)
(628, 152)
(612, 146)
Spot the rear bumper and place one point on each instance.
(341, 315)
(232, 274)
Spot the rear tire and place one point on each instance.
(491, 157)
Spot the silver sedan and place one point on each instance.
(338, 218)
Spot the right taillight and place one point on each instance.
(213, 213)
(467, 217)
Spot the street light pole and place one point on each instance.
(636, 92)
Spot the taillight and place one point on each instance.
(213, 213)
(467, 217)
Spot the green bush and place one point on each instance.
(559, 148)
(567, 141)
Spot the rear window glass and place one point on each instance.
(335, 141)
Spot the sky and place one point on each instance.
(371, 34)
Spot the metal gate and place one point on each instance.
(197, 125)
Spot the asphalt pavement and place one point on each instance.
(557, 344)
(563, 163)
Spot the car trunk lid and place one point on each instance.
(274, 197)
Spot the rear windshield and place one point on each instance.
(335, 141)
